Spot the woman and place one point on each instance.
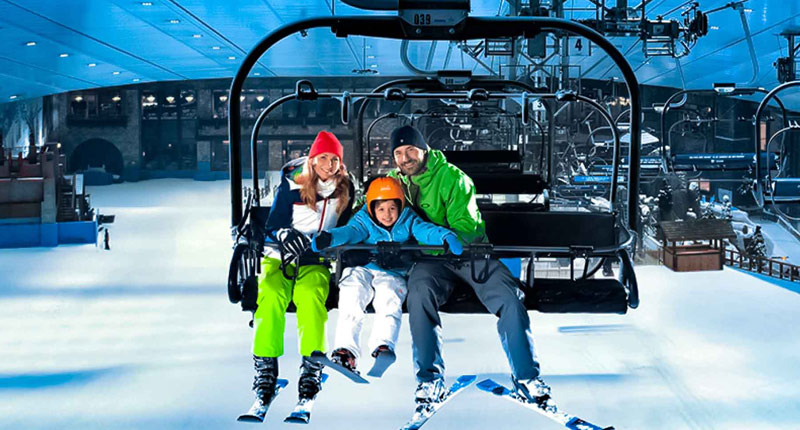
(315, 195)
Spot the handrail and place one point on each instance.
(762, 265)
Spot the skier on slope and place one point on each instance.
(446, 196)
(384, 218)
(315, 195)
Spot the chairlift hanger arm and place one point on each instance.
(667, 105)
(254, 141)
(793, 126)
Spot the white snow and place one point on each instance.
(143, 336)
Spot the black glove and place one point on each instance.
(322, 241)
(292, 243)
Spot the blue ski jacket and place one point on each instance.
(363, 229)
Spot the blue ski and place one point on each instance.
(258, 411)
(382, 362)
(424, 412)
(569, 421)
(302, 411)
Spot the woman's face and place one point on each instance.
(326, 165)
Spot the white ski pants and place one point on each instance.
(358, 287)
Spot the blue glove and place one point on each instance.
(453, 244)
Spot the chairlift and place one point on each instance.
(514, 232)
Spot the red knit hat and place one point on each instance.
(326, 142)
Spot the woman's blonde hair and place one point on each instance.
(307, 180)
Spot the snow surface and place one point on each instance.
(142, 336)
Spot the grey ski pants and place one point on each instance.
(430, 285)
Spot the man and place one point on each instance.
(446, 196)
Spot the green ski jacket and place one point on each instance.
(446, 195)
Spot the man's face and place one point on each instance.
(409, 159)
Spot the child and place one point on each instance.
(384, 218)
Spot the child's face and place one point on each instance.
(386, 212)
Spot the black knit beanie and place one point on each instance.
(408, 135)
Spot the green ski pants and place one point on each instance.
(274, 293)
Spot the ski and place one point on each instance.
(258, 411)
(302, 411)
(321, 357)
(569, 421)
(424, 412)
(382, 362)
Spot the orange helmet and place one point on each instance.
(384, 188)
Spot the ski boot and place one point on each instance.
(310, 381)
(266, 378)
(345, 358)
(430, 392)
(535, 391)
(381, 349)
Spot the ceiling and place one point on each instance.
(97, 43)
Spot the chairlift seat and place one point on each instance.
(551, 229)
(786, 190)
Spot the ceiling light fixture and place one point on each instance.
(174, 21)
(170, 99)
(115, 73)
(216, 48)
(116, 99)
(197, 36)
(135, 79)
(256, 74)
(147, 3)
(12, 97)
(189, 98)
(30, 44)
(92, 64)
(241, 98)
(231, 57)
(260, 98)
(151, 98)
(78, 98)
(64, 55)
